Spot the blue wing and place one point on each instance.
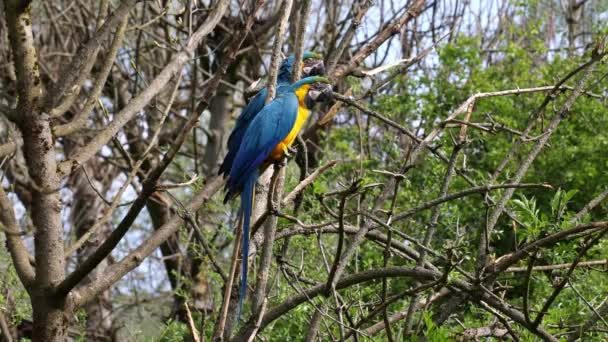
(234, 141)
(266, 130)
(250, 111)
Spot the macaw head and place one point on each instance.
(312, 64)
(319, 92)
(312, 89)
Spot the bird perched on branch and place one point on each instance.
(265, 141)
(312, 65)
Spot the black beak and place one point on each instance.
(315, 69)
(321, 93)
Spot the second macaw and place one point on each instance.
(266, 140)
(312, 66)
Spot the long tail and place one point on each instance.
(246, 204)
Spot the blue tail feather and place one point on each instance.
(246, 204)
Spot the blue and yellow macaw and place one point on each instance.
(266, 140)
(312, 65)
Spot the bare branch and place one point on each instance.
(558, 266)
(80, 119)
(359, 9)
(25, 59)
(505, 261)
(410, 13)
(299, 39)
(284, 12)
(116, 271)
(82, 154)
(307, 181)
(19, 254)
(63, 94)
(292, 302)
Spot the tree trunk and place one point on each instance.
(220, 114)
(50, 314)
(50, 318)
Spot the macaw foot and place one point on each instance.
(288, 152)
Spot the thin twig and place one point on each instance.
(193, 331)
(589, 305)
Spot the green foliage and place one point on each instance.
(17, 307)
(80, 318)
(433, 333)
(574, 164)
(531, 216)
(174, 331)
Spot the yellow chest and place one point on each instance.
(301, 118)
(297, 127)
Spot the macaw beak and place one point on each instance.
(314, 69)
(321, 92)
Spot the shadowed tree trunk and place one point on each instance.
(220, 110)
